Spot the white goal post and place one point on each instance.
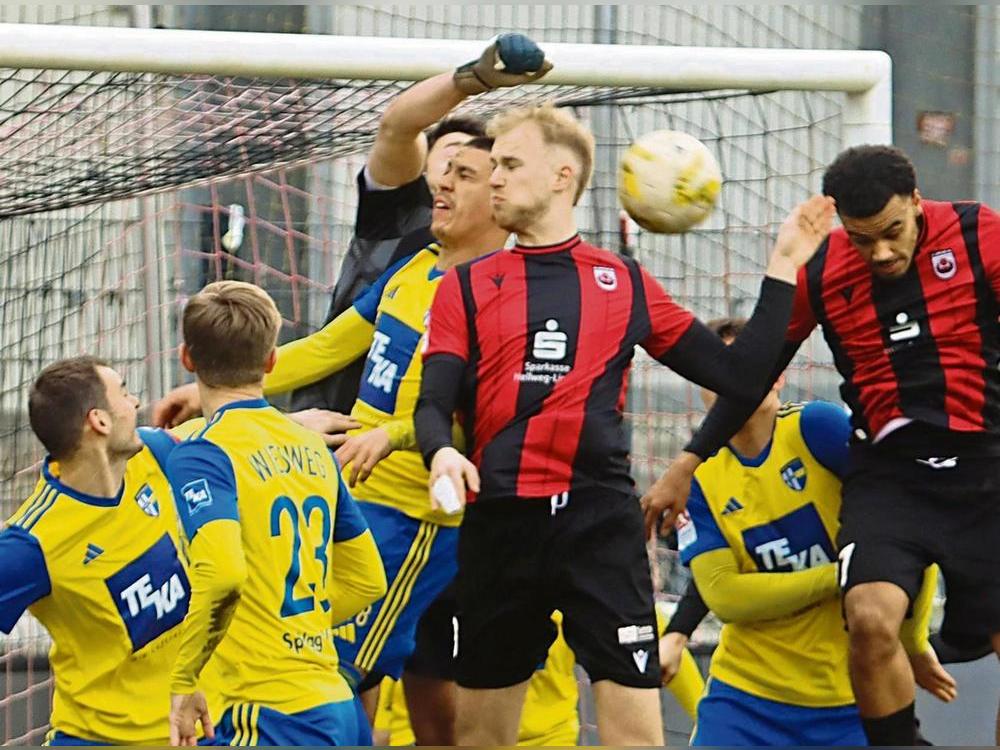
(864, 76)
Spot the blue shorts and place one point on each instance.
(420, 559)
(731, 717)
(61, 739)
(250, 724)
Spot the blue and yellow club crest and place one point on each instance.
(794, 474)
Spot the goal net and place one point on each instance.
(121, 193)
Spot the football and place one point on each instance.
(668, 181)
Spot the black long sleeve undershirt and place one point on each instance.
(736, 371)
(440, 384)
(728, 415)
(691, 610)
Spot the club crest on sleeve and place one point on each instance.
(794, 474)
(196, 495)
(147, 501)
(944, 264)
(606, 278)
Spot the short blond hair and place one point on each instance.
(559, 127)
(230, 329)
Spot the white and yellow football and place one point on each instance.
(668, 181)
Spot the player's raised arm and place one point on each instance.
(400, 148)
(736, 372)
(742, 369)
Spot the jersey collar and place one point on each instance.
(52, 478)
(247, 403)
(558, 247)
(754, 461)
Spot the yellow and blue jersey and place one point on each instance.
(778, 513)
(253, 466)
(389, 320)
(104, 575)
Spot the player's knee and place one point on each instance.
(872, 628)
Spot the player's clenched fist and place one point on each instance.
(509, 60)
(448, 465)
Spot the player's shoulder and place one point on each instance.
(595, 255)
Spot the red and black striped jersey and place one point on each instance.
(923, 347)
(548, 335)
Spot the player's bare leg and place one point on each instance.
(431, 704)
(369, 701)
(880, 670)
(489, 716)
(628, 716)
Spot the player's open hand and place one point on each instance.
(462, 474)
(932, 677)
(362, 452)
(178, 406)
(804, 229)
(667, 497)
(331, 425)
(671, 650)
(185, 713)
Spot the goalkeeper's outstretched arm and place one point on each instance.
(400, 148)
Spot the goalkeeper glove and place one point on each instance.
(509, 60)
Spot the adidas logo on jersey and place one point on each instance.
(732, 506)
(92, 553)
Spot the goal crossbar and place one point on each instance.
(863, 75)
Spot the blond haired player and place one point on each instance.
(279, 551)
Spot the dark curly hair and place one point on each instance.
(863, 179)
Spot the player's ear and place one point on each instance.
(272, 360)
(916, 198)
(185, 355)
(99, 421)
(779, 383)
(565, 179)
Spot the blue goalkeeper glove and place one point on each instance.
(509, 60)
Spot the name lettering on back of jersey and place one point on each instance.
(793, 474)
(393, 345)
(151, 593)
(196, 495)
(944, 264)
(147, 501)
(796, 541)
(281, 460)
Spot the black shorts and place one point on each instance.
(518, 560)
(900, 514)
(434, 654)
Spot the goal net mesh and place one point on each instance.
(117, 191)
